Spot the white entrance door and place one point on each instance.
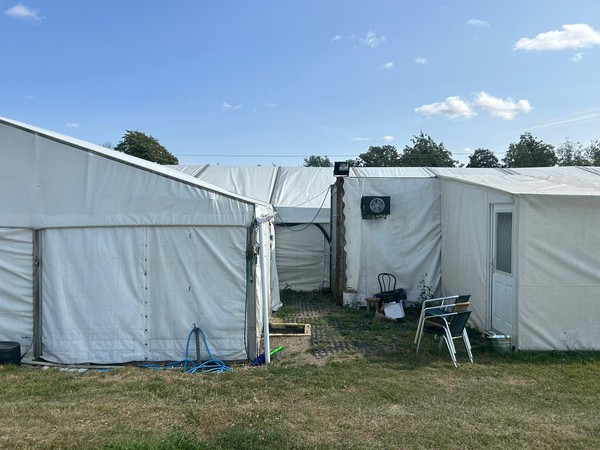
(503, 286)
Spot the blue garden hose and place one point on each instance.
(213, 365)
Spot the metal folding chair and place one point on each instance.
(450, 326)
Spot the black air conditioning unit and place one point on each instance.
(375, 207)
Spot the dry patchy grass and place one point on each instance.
(379, 397)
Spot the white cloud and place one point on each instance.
(336, 38)
(505, 109)
(23, 12)
(577, 57)
(478, 23)
(388, 138)
(456, 108)
(420, 60)
(270, 105)
(388, 66)
(360, 139)
(372, 40)
(453, 107)
(573, 36)
(29, 97)
(227, 106)
(72, 125)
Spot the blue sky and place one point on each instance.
(271, 82)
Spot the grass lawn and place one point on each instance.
(376, 393)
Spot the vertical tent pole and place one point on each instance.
(263, 224)
(37, 295)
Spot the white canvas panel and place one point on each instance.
(250, 181)
(559, 280)
(50, 183)
(293, 215)
(465, 246)
(302, 194)
(390, 172)
(406, 243)
(538, 180)
(196, 275)
(302, 258)
(133, 294)
(193, 170)
(16, 284)
(94, 295)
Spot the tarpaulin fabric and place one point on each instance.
(390, 172)
(251, 181)
(132, 294)
(405, 243)
(302, 194)
(559, 281)
(465, 244)
(538, 180)
(65, 186)
(306, 270)
(16, 281)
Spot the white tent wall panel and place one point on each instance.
(16, 281)
(252, 181)
(64, 186)
(559, 280)
(93, 295)
(307, 270)
(123, 294)
(196, 275)
(407, 243)
(466, 243)
(301, 194)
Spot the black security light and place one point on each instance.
(341, 168)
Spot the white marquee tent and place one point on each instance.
(526, 244)
(107, 258)
(301, 198)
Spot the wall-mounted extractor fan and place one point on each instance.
(375, 207)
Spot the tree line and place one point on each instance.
(528, 151)
(425, 152)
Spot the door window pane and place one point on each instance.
(504, 242)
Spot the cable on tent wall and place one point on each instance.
(314, 218)
(318, 225)
(310, 199)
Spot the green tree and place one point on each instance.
(136, 143)
(483, 157)
(530, 152)
(571, 153)
(425, 152)
(376, 156)
(592, 153)
(317, 161)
